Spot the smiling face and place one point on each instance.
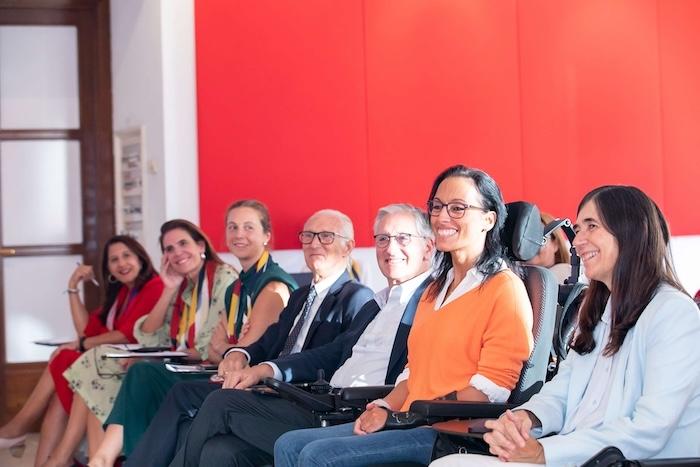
(400, 263)
(123, 264)
(463, 238)
(324, 260)
(595, 245)
(183, 253)
(245, 237)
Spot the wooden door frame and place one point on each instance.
(91, 17)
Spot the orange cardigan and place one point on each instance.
(488, 331)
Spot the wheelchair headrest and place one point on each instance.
(523, 232)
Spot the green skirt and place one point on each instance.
(143, 390)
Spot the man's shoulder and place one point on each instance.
(352, 289)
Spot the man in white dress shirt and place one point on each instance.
(240, 428)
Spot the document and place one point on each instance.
(55, 342)
(191, 368)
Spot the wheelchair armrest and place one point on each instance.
(368, 393)
(447, 409)
(313, 402)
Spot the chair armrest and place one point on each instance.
(459, 409)
(313, 402)
(368, 393)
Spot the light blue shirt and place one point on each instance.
(653, 407)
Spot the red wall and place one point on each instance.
(356, 104)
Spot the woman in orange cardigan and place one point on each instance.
(470, 336)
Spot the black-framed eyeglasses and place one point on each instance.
(326, 238)
(455, 209)
(402, 238)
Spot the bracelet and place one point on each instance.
(69, 290)
(81, 343)
(382, 403)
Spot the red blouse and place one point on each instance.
(140, 304)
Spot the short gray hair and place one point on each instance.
(420, 217)
(346, 228)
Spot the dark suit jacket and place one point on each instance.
(343, 301)
(303, 366)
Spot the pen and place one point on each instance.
(92, 279)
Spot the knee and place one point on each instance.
(216, 451)
(314, 454)
(288, 448)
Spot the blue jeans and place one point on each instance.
(337, 446)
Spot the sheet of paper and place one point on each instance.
(55, 342)
(162, 354)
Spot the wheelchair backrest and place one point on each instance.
(523, 236)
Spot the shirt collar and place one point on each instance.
(401, 292)
(324, 284)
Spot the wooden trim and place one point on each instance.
(38, 250)
(97, 176)
(40, 134)
(43, 4)
(20, 379)
(91, 17)
(10, 16)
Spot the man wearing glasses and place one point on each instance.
(314, 316)
(240, 428)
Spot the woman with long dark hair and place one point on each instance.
(469, 339)
(131, 289)
(632, 377)
(254, 301)
(184, 316)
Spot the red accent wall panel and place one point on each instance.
(590, 99)
(281, 111)
(679, 34)
(356, 104)
(442, 88)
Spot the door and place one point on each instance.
(56, 174)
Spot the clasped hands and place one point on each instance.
(236, 374)
(510, 438)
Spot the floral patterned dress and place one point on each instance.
(97, 379)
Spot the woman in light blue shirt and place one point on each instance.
(632, 377)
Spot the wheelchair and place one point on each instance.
(523, 234)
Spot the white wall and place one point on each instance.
(153, 87)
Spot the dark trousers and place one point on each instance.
(170, 425)
(239, 428)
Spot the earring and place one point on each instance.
(203, 255)
(265, 244)
(111, 279)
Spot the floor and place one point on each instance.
(20, 457)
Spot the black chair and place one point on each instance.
(522, 237)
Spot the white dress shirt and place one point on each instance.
(369, 362)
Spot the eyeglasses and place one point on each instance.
(455, 209)
(326, 238)
(403, 239)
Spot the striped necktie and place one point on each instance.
(296, 330)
